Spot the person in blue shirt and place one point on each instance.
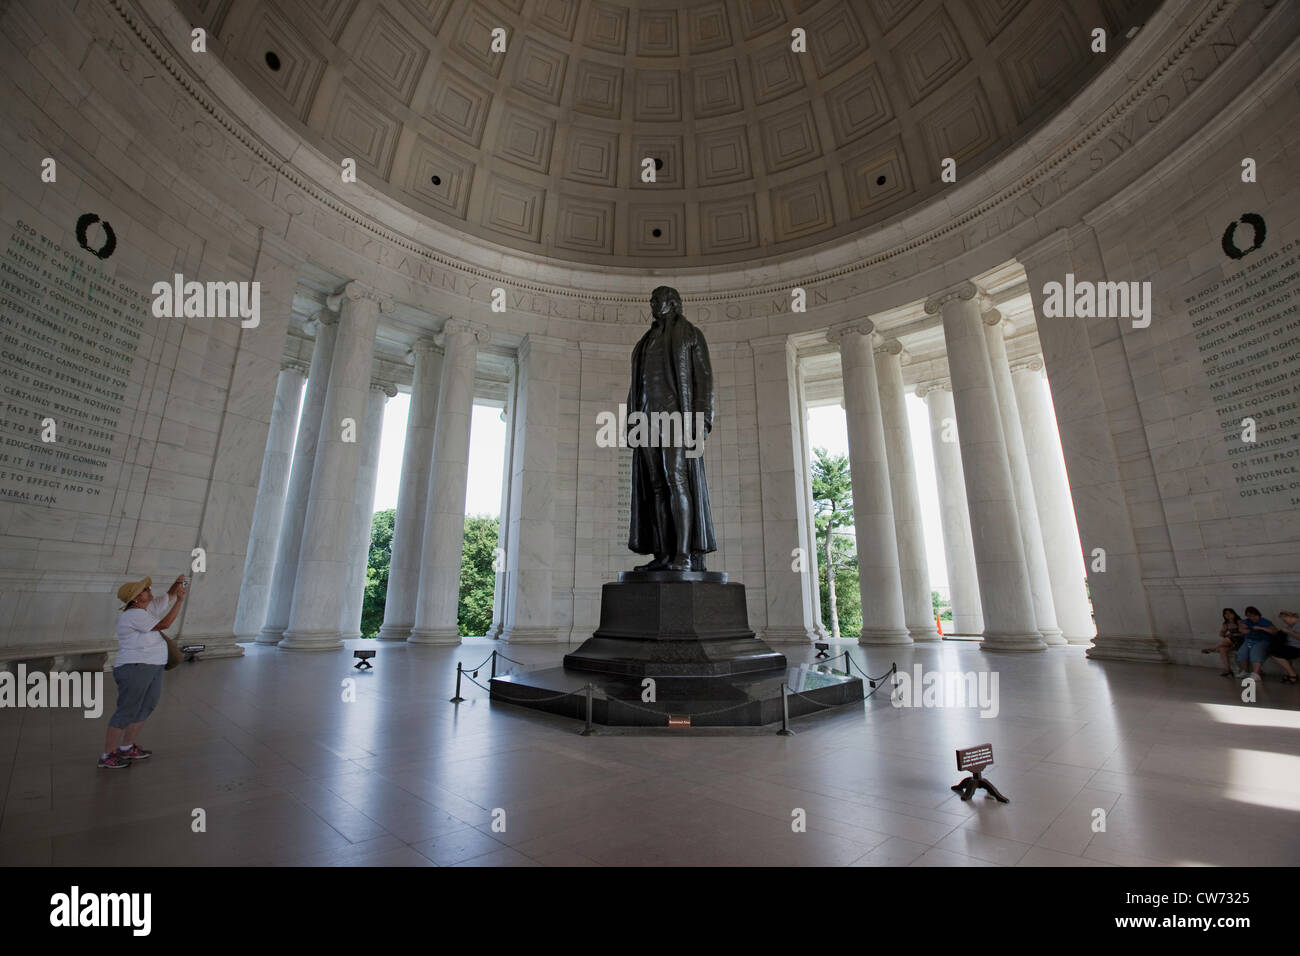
(1259, 632)
(1286, 647)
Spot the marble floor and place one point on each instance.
(287, 772)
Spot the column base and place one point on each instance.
(434, 635)
(787, 635)
(534, 635)
(1144, 649)
(1074, 639)
(269, 635)
(923, 635)
(885, 635)
(311, 641)
(394, 632)
(1029, 641)
(214, 645)
(1053, 636)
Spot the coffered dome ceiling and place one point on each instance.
(760, 150)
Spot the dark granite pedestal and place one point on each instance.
(689, 632)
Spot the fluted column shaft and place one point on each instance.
(786, 616)
(324, 325)
(1055, 507)
(1094, 403)
(544, 366)
(370, 437)
(315, 619)
(909, 531)
(412, 493)
(444, 524)
(268, 511)
(1008, 605)
(879, 577)
(954, 516)
(1031, 534)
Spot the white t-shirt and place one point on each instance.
(137, 641)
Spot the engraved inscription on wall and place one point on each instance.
(69, 333)
(1247, 328)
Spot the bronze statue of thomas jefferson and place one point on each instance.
(672, 382)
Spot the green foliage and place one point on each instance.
(832, 490)
(848, 599)
(381, 553)
(942, 609)
(477, 577)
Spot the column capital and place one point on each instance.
(457, 326)
(1032, 363)
(320, 318)
(770, 343)
(991, 316)
(421, 347)
(838, 332)
(891, 347)
(388, 388)
(295, 365)
(356, 290)
(935, 385)
(962, 290)
(1051, 246)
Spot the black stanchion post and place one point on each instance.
(494, 665)
(587, 731)
(457, 699)
(785, 730)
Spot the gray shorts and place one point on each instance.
(139, 688)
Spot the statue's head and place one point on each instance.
(665, 301)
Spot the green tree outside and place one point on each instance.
(381, 553)
(477, 575)
(837, 564)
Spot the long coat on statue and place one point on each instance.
(692, 377)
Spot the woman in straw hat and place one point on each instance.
(141, 655)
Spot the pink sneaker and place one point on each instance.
(136, 752)
(114, 761)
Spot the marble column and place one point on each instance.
(363, 512)
(529, 580)
(444, 521)
(810, 517)
(412, 492)
(246, 392)
(315, 618)
(268, 511)
(879, 576)
(909, 531)
(324, 326)
(954, 516)
(1055, 509)
(1008, 605)
(500, 594)
(1031, 534)
(786, 597)
(1095, 401)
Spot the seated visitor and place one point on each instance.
(1231, 635)
(1286, 644)
(1259, 632)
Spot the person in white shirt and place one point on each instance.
(141, 656)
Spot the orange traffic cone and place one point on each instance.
(939, 624)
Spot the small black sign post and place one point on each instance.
(973, 760)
